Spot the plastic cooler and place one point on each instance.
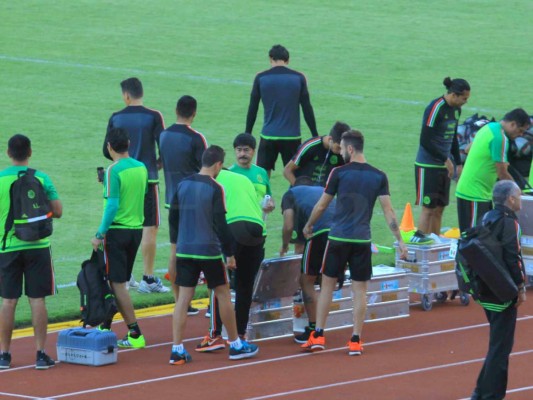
(87, 347)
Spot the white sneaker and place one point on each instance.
(132, 283)
(156, 287)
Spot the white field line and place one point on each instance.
(138, 71)
(300, 355)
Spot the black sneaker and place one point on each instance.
(5, 360)
(303, 337)
(44, 361)
(180, 358)
(192, 311)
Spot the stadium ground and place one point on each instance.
(435, 354)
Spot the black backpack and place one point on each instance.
(97, 301)
(29, 210)
(479, 265)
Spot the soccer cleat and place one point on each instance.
(303, 337)
(355, 348)
(210, 344)
(5, 360)
(208, 313)
(43, 361)
(314, 343)
(246, 351)
(155, 287)
(192, 311)
(179, 358)
(132, 343)
(420, 238)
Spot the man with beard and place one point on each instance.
(357, 186)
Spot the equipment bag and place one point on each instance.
(97, 301)
(29, 210)
(479, 258)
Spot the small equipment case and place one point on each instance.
(87, 346)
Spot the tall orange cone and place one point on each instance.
(408, 223)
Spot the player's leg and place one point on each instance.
(11, 272)
(267, 154)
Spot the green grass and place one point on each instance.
(375, 65)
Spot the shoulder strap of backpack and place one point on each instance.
(10, 218)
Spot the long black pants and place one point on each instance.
(492, 380)
(249, 251)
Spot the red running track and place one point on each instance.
(430, 355)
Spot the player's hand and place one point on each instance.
(449, 167)
(459, 171)
(230, 263)
(96, 243)
(403, 250)
(283, 250)
(521, 298)
(308, 231)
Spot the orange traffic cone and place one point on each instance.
(408, 223)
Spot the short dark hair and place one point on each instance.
(502, 190)
(19, 147)
(133, 87)
(337, 130)
(278, 52)
(519, 116)
(456, 86)
(244, 139)
(355, 139)
(186, 106)
(119, 139)
(304, 180)
(212, 155)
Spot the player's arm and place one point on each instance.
(307, 108)
(159, 126)
(288, 172)
(503, 173)
(392, 223)
(57, 208)
(255, 98)
(105, 151)
(53, 199)
(286, 233)
(317, 212)
(173, 219)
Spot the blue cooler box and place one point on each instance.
(87, 346)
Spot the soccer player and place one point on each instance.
(282, 91)
(245, 223)
(121, 228)
(357, 186)
(31, 261)
(144, 126)
(434, 167)
(486, 163)
(316, 157)
(181, 149)
(296, 205)
(197, 217)
(244, 146)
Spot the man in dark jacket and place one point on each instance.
(503, 222)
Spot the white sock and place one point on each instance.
(178, 348)
(236, 344)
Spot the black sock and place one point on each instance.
(134, 329)
(149, 278)
(355, 338)
(106, 324)
(319, 332)
(312, 325)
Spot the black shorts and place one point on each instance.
(313, 256)
(432, 187)
(35, 265)
(188, 271)
(120, 249)
(470, 213)
(152, 213)
(268, 151)
(358, 256)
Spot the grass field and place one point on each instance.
(375, 65)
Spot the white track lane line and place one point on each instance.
(299, 355)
